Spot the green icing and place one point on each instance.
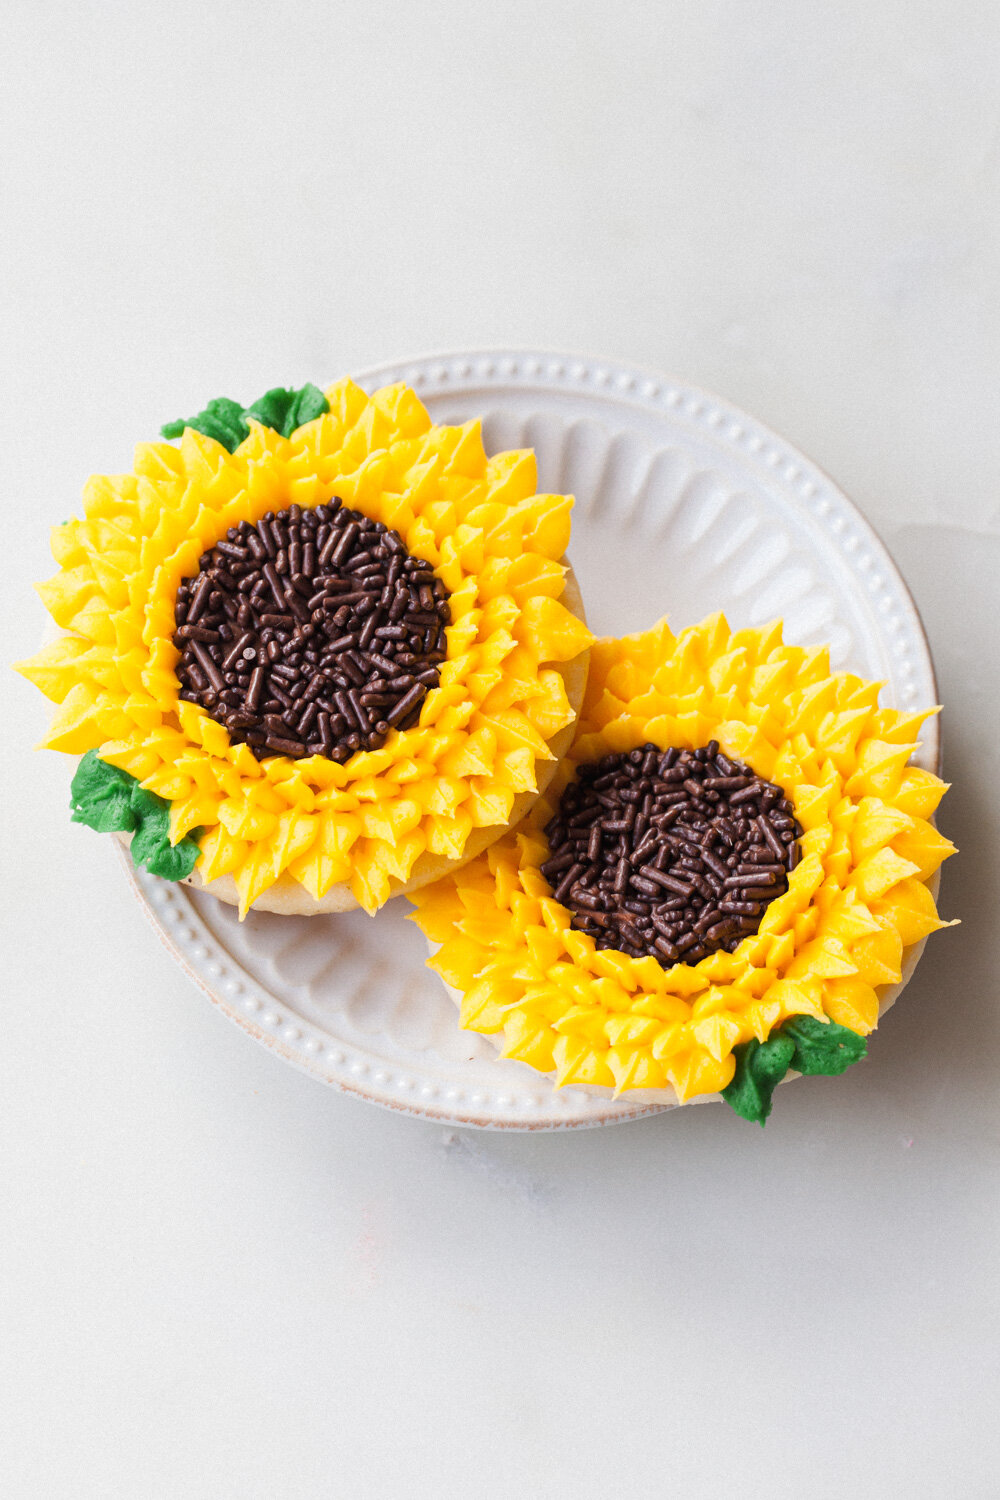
(823, 1046)
(226, 421)
(111, 801)
(102, 796)
(802, 1043)
(222, 420)
(286, 411)
(760, 1067)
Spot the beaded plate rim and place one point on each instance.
(345, 1067)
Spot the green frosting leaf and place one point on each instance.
(111, 801)
(760, 1067)
(286, 411)
(226, 421)
(803, 1043)
(823, 1046)
(222, 420)
(101, 796)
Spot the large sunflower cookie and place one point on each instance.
(719, 884)
(318, 653)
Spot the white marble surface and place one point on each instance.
(221, 1280)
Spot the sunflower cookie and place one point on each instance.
(718, 885)
(318, 653)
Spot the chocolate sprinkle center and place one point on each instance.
(674, 854)
(312, 633)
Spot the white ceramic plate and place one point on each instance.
(685, 505)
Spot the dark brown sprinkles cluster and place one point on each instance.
(670, 853)
(312, 633)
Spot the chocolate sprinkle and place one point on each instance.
(312, 633)
(674, 854)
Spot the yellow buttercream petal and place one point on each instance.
(58, 667)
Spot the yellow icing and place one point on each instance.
(478, 521)
(856, 900)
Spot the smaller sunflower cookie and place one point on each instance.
(318, 653)
(719, 884)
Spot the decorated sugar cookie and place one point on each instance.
(315, 652)
(718, 886)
